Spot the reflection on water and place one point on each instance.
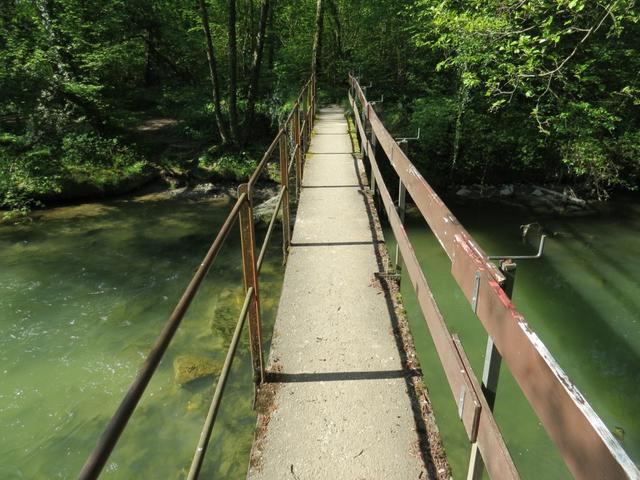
(583, 300)
(84, 291)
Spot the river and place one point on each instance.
(84, 291)
(582, 298)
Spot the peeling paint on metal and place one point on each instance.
(587, 410)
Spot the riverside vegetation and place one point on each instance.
(102, 97)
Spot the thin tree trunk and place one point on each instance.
(148, 68)
(255, 65)
(271, 36)
(335, 16)
(317, 41)
(213, 71)
(337, 36)
(464, 96)
(233, 68)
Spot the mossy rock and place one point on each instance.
(225, 314)
(224, 320)
(188, 368)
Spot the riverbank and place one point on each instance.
(157, 187)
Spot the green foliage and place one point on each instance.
(230, 166)
(571, 65)
(544, 90)
(102, 161)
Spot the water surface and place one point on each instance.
(84, 291)
(582, 298)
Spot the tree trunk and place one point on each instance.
(335, 16)
(255, 65)
(271, 37)
(337, 36)
(464, 95)
(213, 71)
(317, 41)
(233, 68)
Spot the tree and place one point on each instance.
(316, 54)
(213, 72)
(233, 69)
(256, 64)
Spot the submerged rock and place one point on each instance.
(262, 213)
(463, 192)
(506, 191)
(188, 368)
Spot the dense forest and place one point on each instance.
(103, 96)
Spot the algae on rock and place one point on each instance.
(188, 368)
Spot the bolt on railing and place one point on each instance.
(242, 210)
(587, 447)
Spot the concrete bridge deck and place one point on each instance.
(343, 404)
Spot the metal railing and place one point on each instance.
(291, 142)
(584, 442)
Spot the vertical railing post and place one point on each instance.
(402, 201)
(491, 371)
(374, 143)
(250, 277)
(310, 113)
(298, 159)
(284, 182)
(314, 93)
(305, 118)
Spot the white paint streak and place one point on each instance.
(587, 410)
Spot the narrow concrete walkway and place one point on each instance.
(342, 407)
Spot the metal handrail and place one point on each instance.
(242, 209)
(583, 440)
(207, 428)
(272, 223)
(96, 461)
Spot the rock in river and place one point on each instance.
(188, 368)
(262, 213)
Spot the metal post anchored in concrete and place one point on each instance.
(492, 358)
(250, 275)
(403, 143)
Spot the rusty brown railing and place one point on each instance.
(292, 142)
(586, 445)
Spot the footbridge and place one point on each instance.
(340, 391)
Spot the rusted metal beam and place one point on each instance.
(207, 428)
(98, 458)
(586, 445)
(284, 181)
(264, 160)
(298, 151)
(491, 369)
(272, 222)
(250, 277)
(472, 408)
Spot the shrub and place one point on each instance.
(230, 166)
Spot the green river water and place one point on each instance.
(84, 291)
(582, 299)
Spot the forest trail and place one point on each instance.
(341, 405)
